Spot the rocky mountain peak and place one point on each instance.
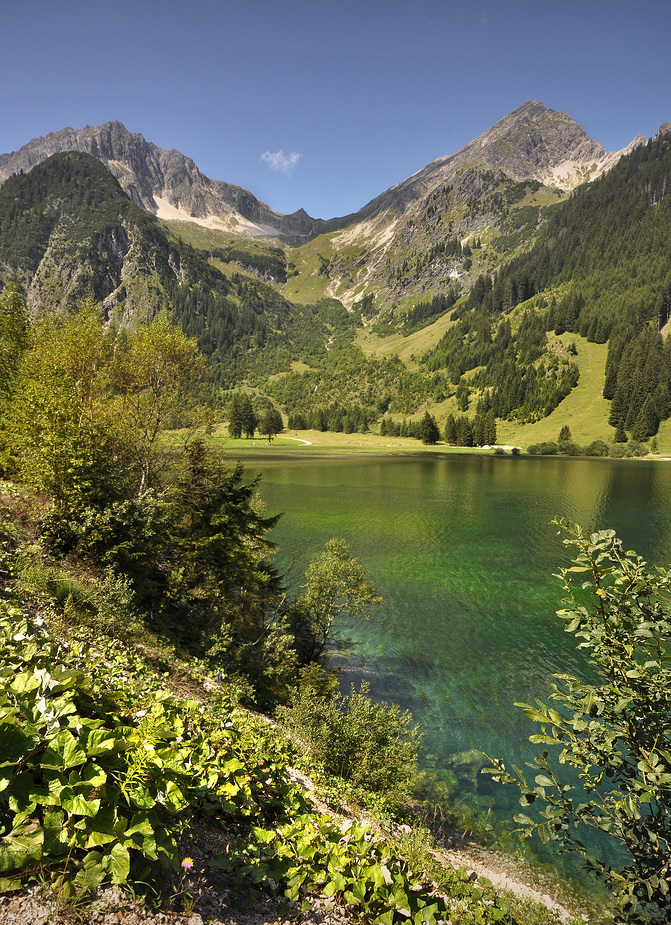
(530, 143)
(533, 139)
(164, 182)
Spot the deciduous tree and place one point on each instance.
(615, 731)
(336, 586)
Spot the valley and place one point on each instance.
(464, 241)
(391, 374)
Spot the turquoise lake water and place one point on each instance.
(463, 552)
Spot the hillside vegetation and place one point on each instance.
(485, 338)
(138, 610)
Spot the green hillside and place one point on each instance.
(479, 329)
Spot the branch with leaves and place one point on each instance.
(615, 731)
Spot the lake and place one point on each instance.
(463, 552)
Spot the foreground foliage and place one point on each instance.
(102, 769)
(615, 730)
(343, 859)
(372, 745)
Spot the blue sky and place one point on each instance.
(325, 105)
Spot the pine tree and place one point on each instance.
(620, 433)
(249, 418)
(451, 430)
(428, 429)
(490, 429)
(235, 417)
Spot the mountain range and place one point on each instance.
(434, 260)
(531, 143)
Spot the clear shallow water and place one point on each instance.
(463, 551)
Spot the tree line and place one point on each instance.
(109, 429)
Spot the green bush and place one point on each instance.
(627, 450)
(543, 449)
(614, 730)
(597, 448)
(101, 768)
(372, 745)
(368, 876)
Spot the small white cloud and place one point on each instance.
(484, 17)
(278, 160)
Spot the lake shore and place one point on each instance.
(314, 444)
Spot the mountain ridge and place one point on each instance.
(158, 180)
(531, 142)
(532, 157)
(521, 276)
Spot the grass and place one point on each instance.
(584, 409)
(309, 285)
(315, 442)
(206, 239)
(407, 348)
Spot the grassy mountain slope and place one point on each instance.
(426, 277)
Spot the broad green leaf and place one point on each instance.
(63, 752)
(56, 836)
(174, 798)
(427, 915)
(93, 775)
(92, 871)
(98, 741)
(387, 918)
(543, 781)
(140, 836)
(95, 839)
(22, 791)
(17, 851)
(7, 884)
(522, 819)
(117, 863)
(23, 683)
(78, 805)
(139, 796)
(13, 743)
(359, 891)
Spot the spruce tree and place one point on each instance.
(428, 429)
(451, 430)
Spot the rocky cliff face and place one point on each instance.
(67, 232)
(495, 186)
(167, 183)
(489, 187)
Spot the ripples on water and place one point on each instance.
(464, 553)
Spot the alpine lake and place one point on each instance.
(465, 555)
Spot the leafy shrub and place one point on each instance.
(373, 745)
(596, 448)
(549, 448)
(345, 860)
(615, 730)
(627, 450)
(95, 789)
